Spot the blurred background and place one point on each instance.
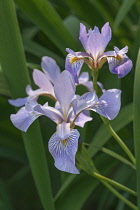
(48, 30)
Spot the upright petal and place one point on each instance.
(42, 81)
(50, 68)
(106, 34)
(108, 104)
(83, 36)
(95, 44)
(64, 89)
(64, 151)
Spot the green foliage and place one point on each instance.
(47, 28)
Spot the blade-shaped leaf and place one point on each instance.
(13, 63)
(137, 123)
(47, 19)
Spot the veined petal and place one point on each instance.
(82, 119)
(64, 89)
(95, 44)
(50, 68)
(49, 112)
(42, 81)
(18, 102)
(84, 102)
(108, 104)
(23, 118)
(73, 65)
(120, 65)
(64, 151)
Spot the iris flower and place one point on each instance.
(45, 81)
(95, 42)
(68, 112)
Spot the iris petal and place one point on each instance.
(23, 118)
(50, 68)
(64, 151)
(121, 65)
(108, 104)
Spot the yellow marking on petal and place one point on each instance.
(75, 59)
(119, 57)
(64, 141)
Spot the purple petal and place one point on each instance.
(84, 80)
(50, 68)
(83, 36)
(95, 44)
(108, 104)
(82, 119)
(83, 102)
(49, 112)
(64, 151)
(120, 65)
(73, 65)
(18, 102)
(23, 119)
(64, 89)
(106, 34)
(63, 130)
(43, 82)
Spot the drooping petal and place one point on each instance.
(23, 118)
(18, 102)
(82, 119)
(108, 104)
(73, 65)
(64, 151)
(49, 112)
(42, 81)
(83, 102)
(50, 68)
(120, 65)
(64, 89)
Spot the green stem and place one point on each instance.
(120, 142)
(118, 157)
(86, 163)
(115, 192)
(106, 122)
(114, 183)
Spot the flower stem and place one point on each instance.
(86, 163)
(107, 124)
(114, 183)
(119, 140)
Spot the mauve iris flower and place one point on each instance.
(70, 110)
(94, 43)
